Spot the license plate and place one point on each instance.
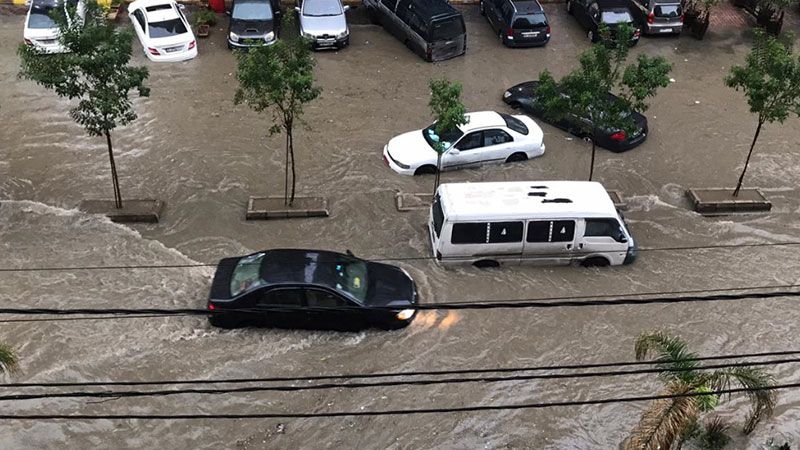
(533, 34)
(665, 30)
(173, 49)
(250, 41)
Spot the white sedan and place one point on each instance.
(41, 31)
(163, 30)
(488, 137)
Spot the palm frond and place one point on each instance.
(762, 399)
(678, 362)
(665, 421)
(8, 359)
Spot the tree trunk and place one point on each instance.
(747, 161)
(591, 166)
(114, 179)
(286, 172)
(291, 157)
(438, 171)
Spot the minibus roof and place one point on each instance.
(517, 200)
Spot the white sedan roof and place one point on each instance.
(483, 119)
(159, 15)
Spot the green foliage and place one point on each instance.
(666, 422)
(280, 79)
(446, 107)
(94, 71)
(713, 435)
(205, 17)
(8, 359)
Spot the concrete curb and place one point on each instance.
(267, 208)
(716, 201)
(135, 210)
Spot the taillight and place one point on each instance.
(211, 306)
(619, 136)
(651, 18)
(510, 32)
(192, 44)
(153, 51)
(548, 29)
(637, 33)
(28, 42)
(681, 18)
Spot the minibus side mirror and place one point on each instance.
(622, 239)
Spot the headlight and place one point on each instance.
(405, 314)
(343, 34)
(506, 94)
(234, 37)
(270, 36)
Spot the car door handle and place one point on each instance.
(569, 246)
(580, 246)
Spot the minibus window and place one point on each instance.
(604, 227)
(563, 231)
(470, 233)
(438, 215)
(502, 232)
(538, 231)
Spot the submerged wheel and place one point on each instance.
(516, 157)
(595, 261)
(486, 263)
(515, 105)
(223, 322)
(425, 170)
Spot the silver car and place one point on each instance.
(324, 23)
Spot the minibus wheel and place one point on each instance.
(486, 263)
(596, 261)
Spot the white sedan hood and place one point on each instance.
(411, 149)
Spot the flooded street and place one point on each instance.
(204, 156)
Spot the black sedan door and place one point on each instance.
(283, 308)
(330, 311)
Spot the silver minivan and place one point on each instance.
(658, 16)
(324, 23)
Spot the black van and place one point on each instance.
(518, 23)
(431, 28)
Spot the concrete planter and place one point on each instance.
(721, 201)
(137, 210)
(616, 197)
(412, 202)
(268, 208)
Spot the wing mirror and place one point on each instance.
(181, 6)
(346, 8)
(297, 8)
(454, 151)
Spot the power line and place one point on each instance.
(429, 382)
(394, 412)
(378, 259)
(581, 366)
(467, 305)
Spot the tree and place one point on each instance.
(667, 422)
(770, 79)
(94, 71)
(449, 113)
(584, 91)
(279, 78)
(8, 359)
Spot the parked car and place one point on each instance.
(324, 23)
(590, 14)
(522, 96)
(514, 222)
(432, 29)
(253, 23)
(316, 289)
(658, 16)
(163, 30)
(488, 137)
(41, 31)
(518, 23)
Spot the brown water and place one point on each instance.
(204, 156)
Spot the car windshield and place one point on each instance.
(247, 274)
(668, 11)
(321, 8)
(40, 17)
(167, 28)
(448, 29)
(448, 139)
(613, 17)
(252, 11)
(527, 21)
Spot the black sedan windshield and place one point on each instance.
(615, 17)
(252, 11)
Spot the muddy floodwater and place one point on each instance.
(204, 156)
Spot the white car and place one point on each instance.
(163, 30)
(488, 137)
(40, 29)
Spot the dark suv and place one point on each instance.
(292, 288)
(518, 23)
(591, 14)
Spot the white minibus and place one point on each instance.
(550, 222)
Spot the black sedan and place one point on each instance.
(593, 14)
(522, 97)
(292, 288)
